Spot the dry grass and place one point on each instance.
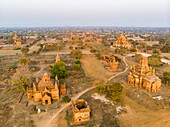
(139, 116)
(9, 52)
(34, 48)
(94, 68)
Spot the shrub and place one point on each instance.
(93, 50)
(77, 61)
(133, 50)
(66, 99)
(71, 47)
(76, 66)
(14, 66)
(99, 56)
(25, 50)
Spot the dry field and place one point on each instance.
(94, 68)
(34, 48)
(9, 52)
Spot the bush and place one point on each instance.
(133, 50)
(93, 50)
(14, 66)
(18, 48)
(76, 66)
(118, 59)
(77, 61)
(66, 99)
(71, 47)
(25, 50)
(99, 56)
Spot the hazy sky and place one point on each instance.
(84, 13)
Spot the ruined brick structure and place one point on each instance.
(57, 58)
(81, 111)
(141, 75)
(112, 62)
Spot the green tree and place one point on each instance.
(22, 77)
(25, 50)
(166, 76)
(77, 54)
(59, 69)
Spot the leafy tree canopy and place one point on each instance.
(59, 69)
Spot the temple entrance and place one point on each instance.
(46, 100)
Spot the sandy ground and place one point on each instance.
(138, 116)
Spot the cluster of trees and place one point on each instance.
(121, 50)
(114, 91)
(155, 60)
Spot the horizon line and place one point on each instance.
(84, 26)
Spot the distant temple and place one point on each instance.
(141, 75)
(81, 111)
(57, 58)
(46, 90)
(16, 40)
(112, 62)
(121, 41)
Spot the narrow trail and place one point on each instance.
(49, 123)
